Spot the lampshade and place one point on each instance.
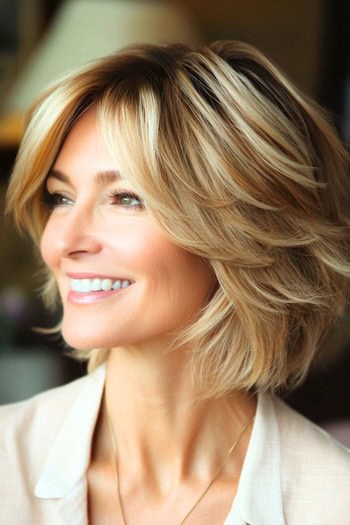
(84, 30)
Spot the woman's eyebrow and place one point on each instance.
(101, 177)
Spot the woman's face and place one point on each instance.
(122, 282)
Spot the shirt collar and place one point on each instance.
(69, 455)
(259, 495)
(259, 499)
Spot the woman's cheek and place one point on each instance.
(135, 244)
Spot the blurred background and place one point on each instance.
(40, 39)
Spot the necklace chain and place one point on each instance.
(115, 463)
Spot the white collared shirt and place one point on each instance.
(294, 473)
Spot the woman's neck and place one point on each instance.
(164, 435)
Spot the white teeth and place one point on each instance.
(85, 285)
(97, 285)
(75, 285)
(106, 285)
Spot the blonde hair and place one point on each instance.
(237, 167)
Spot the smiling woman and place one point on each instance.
(189, 207)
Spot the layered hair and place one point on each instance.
(236, 166)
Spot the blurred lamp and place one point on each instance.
(84, 30)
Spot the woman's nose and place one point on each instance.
(76, 236)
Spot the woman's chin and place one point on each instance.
(81, 339)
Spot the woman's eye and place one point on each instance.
(127, 200)
(124, 199)
(52, 200)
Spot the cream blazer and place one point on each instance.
(294, 473)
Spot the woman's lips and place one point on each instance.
(89, 275)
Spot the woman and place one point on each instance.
(188, 206)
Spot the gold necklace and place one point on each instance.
(115, 462)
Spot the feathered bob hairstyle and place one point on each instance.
(237, 167)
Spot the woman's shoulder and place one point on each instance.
(33, 423)
(315, 469)
(300, 436)
(29, 430)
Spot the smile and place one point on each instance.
(98, 285)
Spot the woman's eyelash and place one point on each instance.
(51, 200)
(123, 196)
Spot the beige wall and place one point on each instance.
(288, 31)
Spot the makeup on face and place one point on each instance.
(121, 280)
